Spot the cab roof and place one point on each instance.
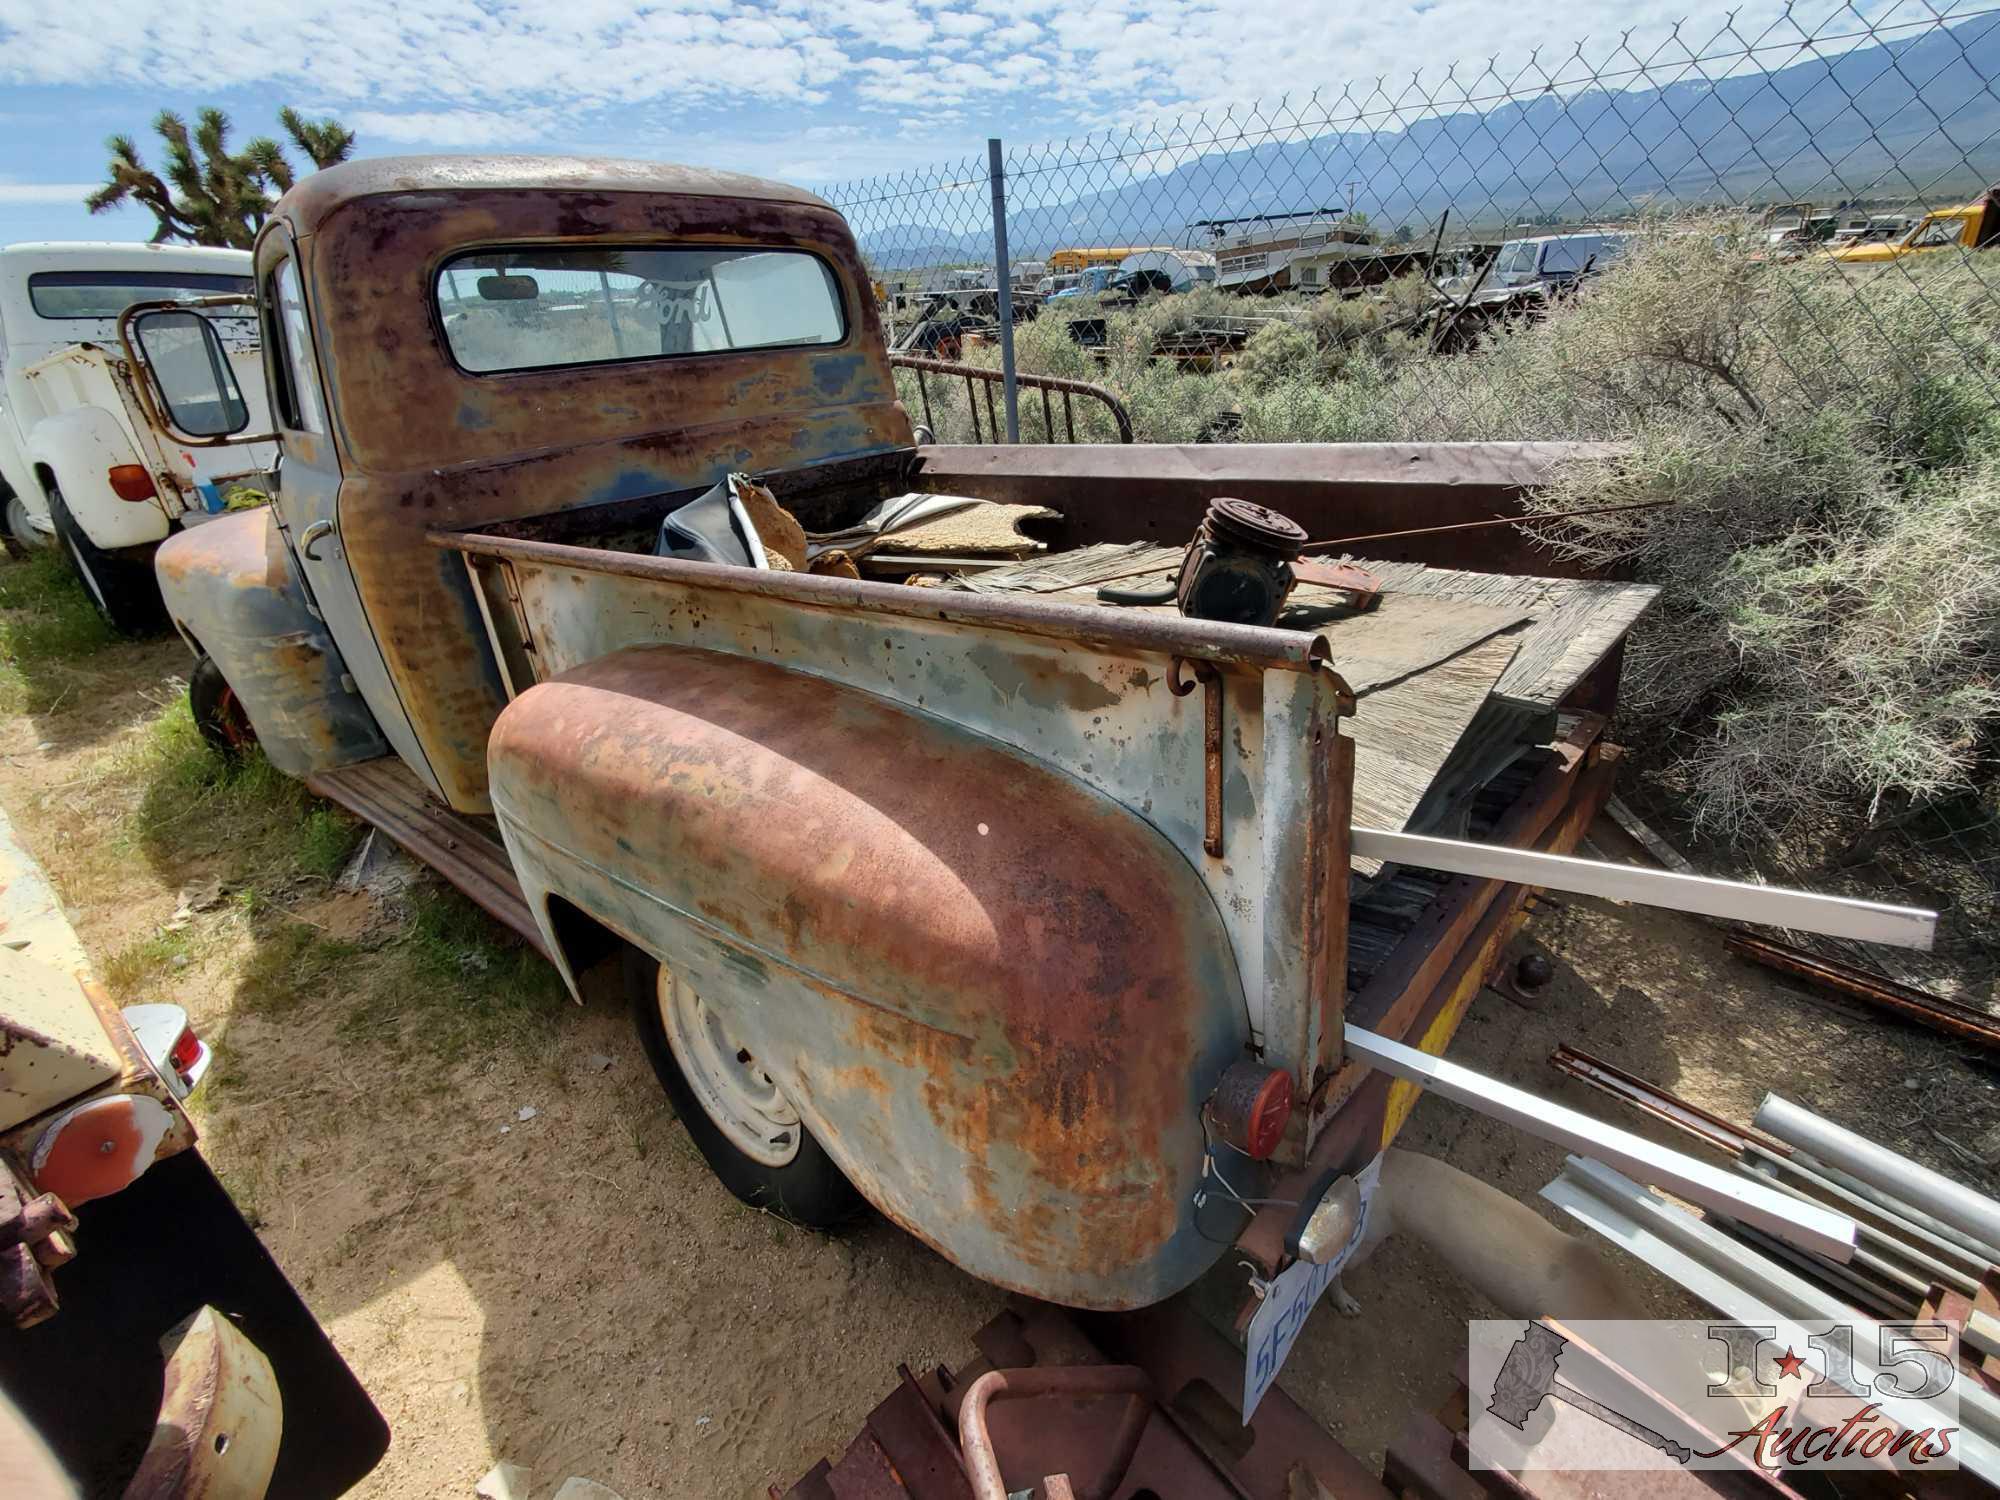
(126, 255)
(322, 193)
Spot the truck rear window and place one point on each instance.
(534, 309)
(106, 294)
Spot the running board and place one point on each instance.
(465, 851)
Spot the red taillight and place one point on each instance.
(1251, 1106)
(186, 1052)
(130, 482)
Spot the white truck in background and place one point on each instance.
(83, 465)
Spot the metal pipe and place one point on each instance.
(1951, 1202)
(996, 172)
(1852, 1196)
(1807, 1225)
(982, 1466)
(1940, 1260)
(1801, 911)
(1752, 1288)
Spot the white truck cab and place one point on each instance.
(82, 464)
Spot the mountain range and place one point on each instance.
(1913, 121)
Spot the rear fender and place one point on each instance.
(80, 447)
(231, 591)
(996, 996)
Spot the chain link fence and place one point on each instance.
(1462, 198)
(1787, 224)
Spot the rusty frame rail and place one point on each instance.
(991, 378)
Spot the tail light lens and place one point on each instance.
(185, 1054)
(1251, 1107)
(130, 482)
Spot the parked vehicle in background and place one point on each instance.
(1876, 229)
(1166, 271)
(1083, 257)
(1554, 261)
(119, 1250)
(1970, 226)
(83, 464)
(1093, 281)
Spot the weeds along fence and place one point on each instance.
(1354, 207)
(1730, 251)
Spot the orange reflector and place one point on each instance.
(130, 482)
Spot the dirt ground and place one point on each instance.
(573, 1292)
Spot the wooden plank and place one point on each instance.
(1577, 621)
(1415, 968)
(1405, 733)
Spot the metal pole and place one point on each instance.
(1937, 1195)
(996, 171)
(1801, 911)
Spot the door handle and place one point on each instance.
(311, 534)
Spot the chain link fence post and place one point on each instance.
(1003, 270)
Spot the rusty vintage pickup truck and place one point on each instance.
(1031, 919)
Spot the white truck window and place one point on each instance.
(106, 294)
(308, 412)
(536, 309)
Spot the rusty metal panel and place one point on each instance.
(1158, 492)
(1082, 690)
(229, 587)
(996, 996)
(421, 443)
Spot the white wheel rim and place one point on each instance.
(735, 1092)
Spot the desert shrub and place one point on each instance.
(1827, 632)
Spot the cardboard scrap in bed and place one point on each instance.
(926, 525)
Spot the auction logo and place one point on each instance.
(1782, 1395)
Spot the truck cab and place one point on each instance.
(84, 464)
(1969, 226)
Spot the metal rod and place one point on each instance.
(1952, 1202)
(1799, 911)
(1752, 1288)
(996, 171)
(1807, 1225)
(1703, 1124)
(1567, 515)
(1902, 1255)
(1896, 1224)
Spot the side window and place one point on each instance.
(304, 411)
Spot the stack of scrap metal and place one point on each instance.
(1927, 1247)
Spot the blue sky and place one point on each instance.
(809, 91)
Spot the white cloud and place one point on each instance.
(452, 127)
(46, 192)
(688, 78)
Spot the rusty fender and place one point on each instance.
(996, 996)
(231, 591)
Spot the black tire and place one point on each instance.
(218, 713)
(13, 525)
(123, 588)
(808, 1190)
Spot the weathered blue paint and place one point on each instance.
(230, 589)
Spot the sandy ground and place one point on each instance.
(573, 1292)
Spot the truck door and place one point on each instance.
(308, 500)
